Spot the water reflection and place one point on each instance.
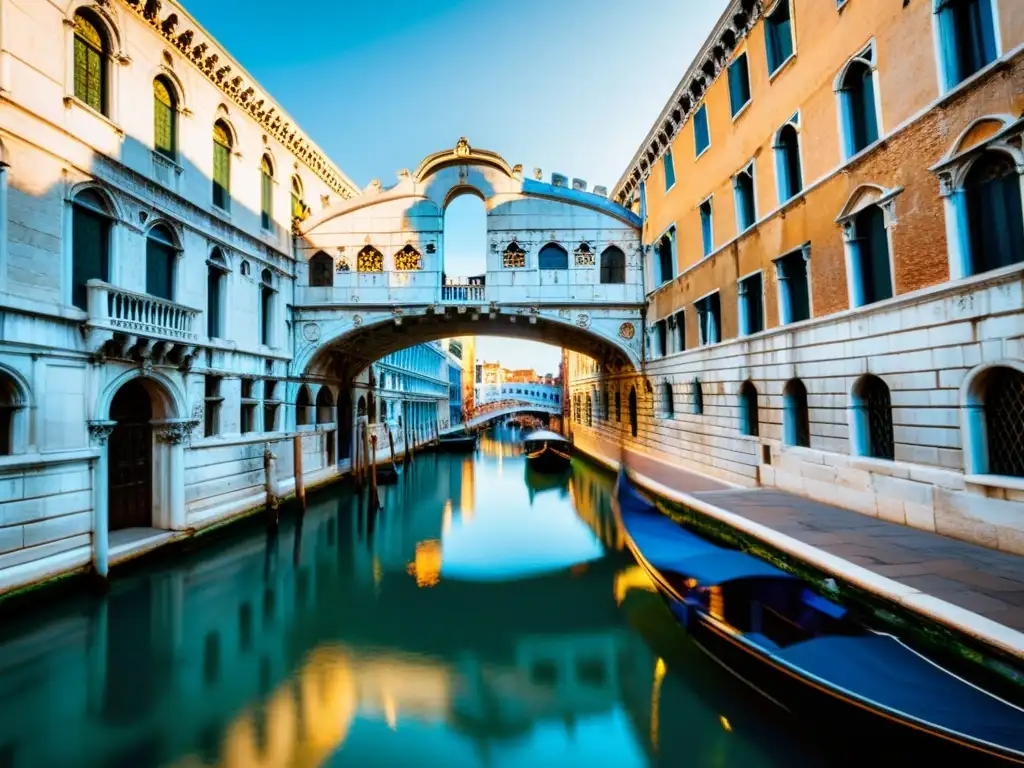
(484, 616)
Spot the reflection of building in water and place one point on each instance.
(426, 566)
(591, 494)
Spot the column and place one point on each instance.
(172, 434)
(100, 431)
(785, 306)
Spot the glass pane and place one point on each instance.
(89, 252)
(159, 269)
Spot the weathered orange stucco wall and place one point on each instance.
(925, 124)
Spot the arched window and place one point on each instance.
(872, 275)
(161, 257)
(11, 404)
(90, 244)
(383, 411)
(369, 259)
(325, 406)
(216, 290)
(618, 406)
(165, 118)
(589, 411)
(632, 411)
(613, 266)
(304, 406)
(298, 207)
(994, 217)
(553, 256)
(266, 192)
(857, 105)
(749, 416)
(514, 257)
(267, 295)
(321, 270)
(995, 423)
(796, 424)
(668, 404)
(222, 145)
(872, 419)
(698, 397)
(92, 56)
(361, 406)
(787, 162)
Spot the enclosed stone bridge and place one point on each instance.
(563, 265)
(492, 411)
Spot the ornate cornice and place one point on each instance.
(733, 25)
(221, 70)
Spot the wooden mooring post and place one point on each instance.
(373, 469)
(273, 502)
(300, 481)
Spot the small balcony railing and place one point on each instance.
(463, 294)
(116, 311)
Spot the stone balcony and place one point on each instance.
(137, 326)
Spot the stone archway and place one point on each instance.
(130, 459)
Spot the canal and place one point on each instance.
(485, 617)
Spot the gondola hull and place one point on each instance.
(548, 460)
(462, 444)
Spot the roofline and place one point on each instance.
(171, 35)
(726, 22)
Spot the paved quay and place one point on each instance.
(975, 589)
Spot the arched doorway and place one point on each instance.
(130, 462)
(464, 247)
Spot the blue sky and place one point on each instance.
(570, 86)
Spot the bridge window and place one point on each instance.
(632, 411)
(370, 259)
(408, 259)
(796, 423)
(553, 256)
(514, 257)
(321, 270)
(872, 419)
(464, 244)
(584, 256)
(749, 415)
(613, 266)
(90, 243)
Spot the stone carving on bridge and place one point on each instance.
(370, 260)
(583, 320)
(408, 259)
(462, 148)
(357, 320)
(311, 332)
(627, 331)
(514, 256)
(584, 256)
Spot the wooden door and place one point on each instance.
(130, 459)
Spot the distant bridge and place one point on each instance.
(498, 410)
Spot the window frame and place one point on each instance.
(698, 114)
(744, 310)
(660, 279)
(784, 186)
(669, 169)
(106, 55)
(749, 169)
(267, 184)
(940, 29)
(736, 112)
(784, 297)
(708, 236)
(773, 72)
(228, 148)
(173, 109)
(867, 57)
(702, 329)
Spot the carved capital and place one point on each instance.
(174, 433)
(99, 431)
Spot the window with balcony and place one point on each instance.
(222, 146)
(778, 36)
(165, 118)
(788, 175)
(707, 231)
(701, 131)
(266, 192)
(90, 250)
(91, 61)
(751, 305)
(743, 191)
(967, 38)
(670, 170)
(161, 259)
(794, 287)
(321, 270)
(613, 266)
(709, 320)
(739, 84)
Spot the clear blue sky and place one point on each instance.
(570, 86)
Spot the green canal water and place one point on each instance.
(485, 617)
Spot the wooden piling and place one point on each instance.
(373, 467)
(300, 481)
(272, 501)
(391, 445)
(366, 451)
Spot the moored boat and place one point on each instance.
(547, 451)
(807, 654)
(457, 443)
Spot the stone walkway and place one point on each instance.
(975, 578)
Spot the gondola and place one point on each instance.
(458, 443)
(807, 654)
(547, 451)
